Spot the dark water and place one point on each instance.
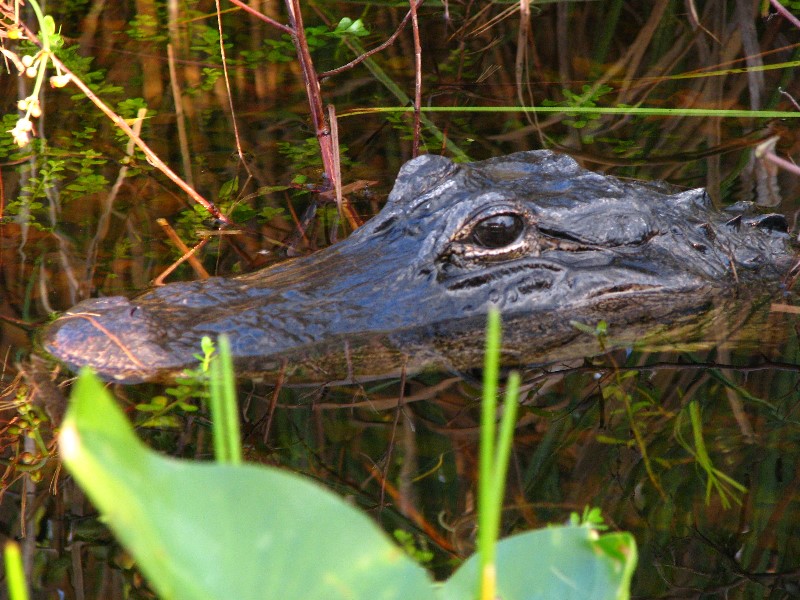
(614, 431)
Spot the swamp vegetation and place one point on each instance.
(696, 450)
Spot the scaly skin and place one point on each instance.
(532, 233)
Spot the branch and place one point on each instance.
(369, 53)
(263, 17)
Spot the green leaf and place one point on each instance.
(49, 25)
(206, 530)
(349, 27)
(562, 563)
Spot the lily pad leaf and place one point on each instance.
(558, 563)
(202, 531)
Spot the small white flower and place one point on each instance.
(21, 137)
(58, 81)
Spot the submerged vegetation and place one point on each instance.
(254, 145)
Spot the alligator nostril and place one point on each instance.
(386, 224)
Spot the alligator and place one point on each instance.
(555, 247)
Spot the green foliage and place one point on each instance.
(319, 38)
(224, 406)
(9, 150)
(192, 385)
(93, 78)
(725, 486)
(589, 98)
(146, 28)
(408, 543)
(305, 157)
(348, 27)
(66, 172)
(205, 42)
(302, 155)
(591, 517)
(227, 531)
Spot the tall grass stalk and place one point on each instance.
(223, 404)
(494, 454)
(15, 573)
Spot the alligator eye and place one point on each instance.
(497, 231)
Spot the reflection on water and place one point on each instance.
(623, 430)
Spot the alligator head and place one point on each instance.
(532, 233)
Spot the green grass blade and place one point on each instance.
(506, 438)
(223, 404)
(487, 496)
(641, 111)
(15, 573)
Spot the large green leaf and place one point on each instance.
(215, 531)
(558, 563)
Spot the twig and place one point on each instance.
(166, 273)
(781, 10)
(337, 168)
(185, 250)
(108, 202)
(228, 90)
(782, 162)
(183, 140)
(311, 82)
(152, 157)
(369, 53)
(417, 75)
(263, 17)
(766, 151)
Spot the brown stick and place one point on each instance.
(417, 75)
(411, 512)
(168, 271)
(313, 93)
(785, 13)
(263, 17)
(185, 250)
(369, 53)
(228, 90)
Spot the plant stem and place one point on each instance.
(417, 75)
(224, 412)
(15, 574)
(785, 13)
(505, 439)
(263, 17)
(487, 534)
(311, 82)
(495, 451)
